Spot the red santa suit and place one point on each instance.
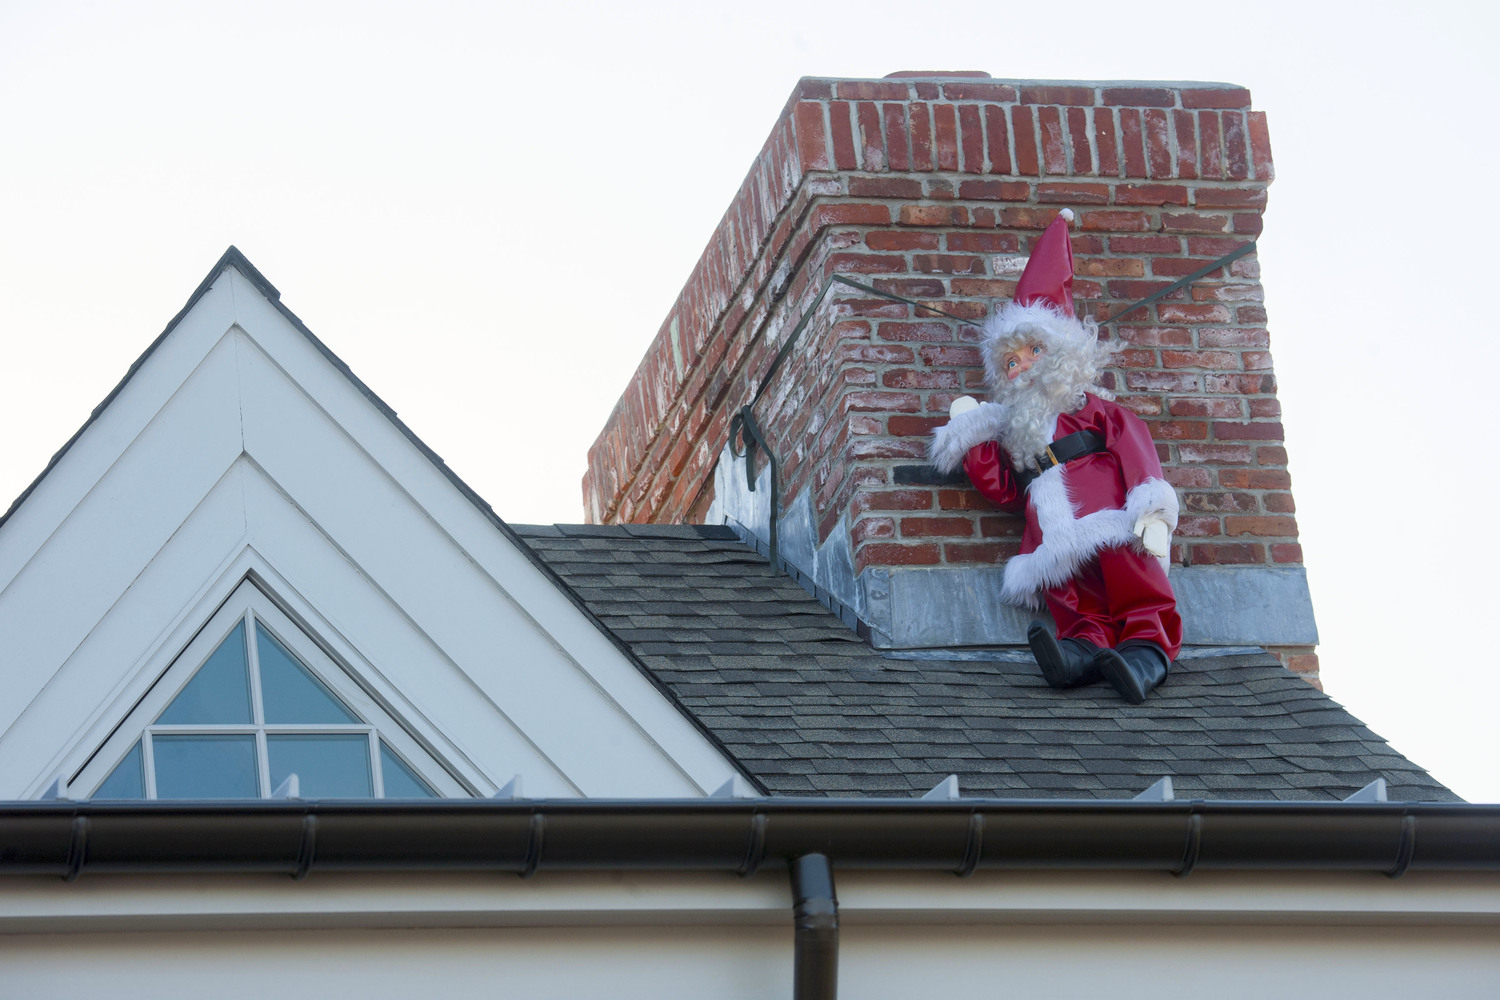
(1079, 551)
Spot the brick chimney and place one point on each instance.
(932, 187)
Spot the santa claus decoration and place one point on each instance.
(1099, 515)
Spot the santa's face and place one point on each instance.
(1020, 360)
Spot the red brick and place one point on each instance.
(1133, 140)
(1220, 503)
(971, 139)
(1145, 244)
(1210, 145)
(911, 287)
(867, 528)
(921, 137)
(1158, 142)
(1268, 408)
(867, 500)
(1257, 361)
(910, 378)
(1236, 146)
(1156, 336)
(897, 136)
(934, 215)
(1235, 197)
(874, 399)
(1279, 503)
(1193, 312)
(1273, 455)
(1255, 479)
(872, 90)
(1263, 527)
(1188, 478)
(974, 90)
(1214, 454)
(1184, 124)
(875, 447)
(1151, 194)
(1244, 385)
(984, 553)
(1178, 430)
(1198, 527)
(895, 554)
(1226, 554)
(1260, 147)
(850, 214)
(1162, 382)
(946, 264)
(1248, 224)
(997, 140)
(1216, 98)
(1179, 267)
(867, 263)
(962, 500)
(945, 135)
(1106, 142)
(1027, 218)
(1140, 97)
(871, 142)
(1189, 222)
(1110, 267)
(1135, 359)
(1024, 129)
(1195, 406)
(1114, 221)
(1141, 406)
(812, 138)
(932, 333)
(1078, 139)
(939, 189)
(922, 427)
(903, 241)
(1250, 314)
(929, 527)
(814, 90)
(1288, 552)
(984, 242)
(1002, 526)
(1054, 148)
(840, 120)
(1054, 94)
(959, 357)
(1072, 193)
(987, 287)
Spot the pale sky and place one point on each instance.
(487, 209)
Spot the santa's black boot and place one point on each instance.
(1134, 669)
(1065, 663)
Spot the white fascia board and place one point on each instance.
(866, 899)
(450, 535)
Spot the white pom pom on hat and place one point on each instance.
(1066, 214)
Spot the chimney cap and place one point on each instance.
(961, 74)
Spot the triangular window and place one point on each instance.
(253, 708)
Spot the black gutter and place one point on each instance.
(66, 839)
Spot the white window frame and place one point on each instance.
(249, 605)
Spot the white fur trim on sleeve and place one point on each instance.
(952, 441)
(1152, 498)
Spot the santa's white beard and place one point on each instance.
(1033, 401)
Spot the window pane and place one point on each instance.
(290, 693)
(126, 781)
(327, 767)
(219, 692)
(205, 767)
(401, 782)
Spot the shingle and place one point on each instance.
(809, 708)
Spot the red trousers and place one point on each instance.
(1117, 596)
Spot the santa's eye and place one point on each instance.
(1036, 349)
(1011, 363)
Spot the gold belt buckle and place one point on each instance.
(1051, 457)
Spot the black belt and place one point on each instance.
(1062, 451)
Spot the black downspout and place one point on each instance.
(815, 963)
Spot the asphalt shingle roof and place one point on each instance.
(808, 707)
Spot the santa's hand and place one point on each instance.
(962, 405)
(1155, 536)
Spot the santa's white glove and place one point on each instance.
(962, 405)
(1155, 536)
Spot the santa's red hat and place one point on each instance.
(1048, 276)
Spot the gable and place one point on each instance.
(239, 448)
